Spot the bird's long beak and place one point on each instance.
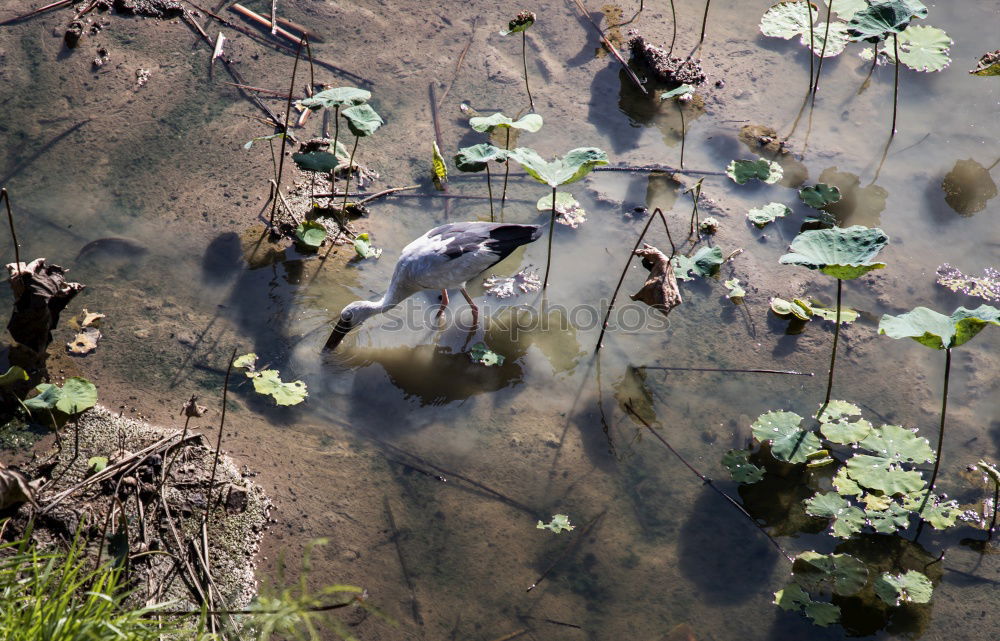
(338, 335)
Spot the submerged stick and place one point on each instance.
(573, 545)
(31, 14)
(730, 370)
(707, 481)
(279, 94)
(218, 441)
(414, 604)
(611, 48)
(284, 131)
(5, 197)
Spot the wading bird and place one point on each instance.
(444, 258)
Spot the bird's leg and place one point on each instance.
(475, 310)
(444, 304)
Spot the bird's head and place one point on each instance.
(350, 317)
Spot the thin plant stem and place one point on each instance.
(489, 188)
(309, 55)
(336, 136)
(822, 49)
(218, 441)
(993, 521)
(524, 60)
(944, 409)
(704, 22)
(10, 220)
(284, 131)
(552, 228)
(680, 110)
(833, 353)
(506, 173)
(812, 43)
(347, 185)
(673, 19)
(895, 87)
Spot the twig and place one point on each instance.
(218, 441)
(279, 94)
(192, 575)
(610, 47)
(713, 369)
(414, 605)
(569, 548)
(707, 481)
(31, 14)
(5, 196)
(512, 635)
(284, 130)
(385, 192)
(274, 17)
(264, 22)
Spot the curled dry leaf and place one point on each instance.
(86, 318)
(85, 342)
(15, 488)
(192, 409)
(41, 292)
(660, 290)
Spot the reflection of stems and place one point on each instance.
(833, 354)
(704, 22)
(695, 227)
(552, 228)
(871, 69)
(347, 185)
(673, 19)
(489, 188)
(680, 110)
(895, 88)
(822, 50)
(284, 131)
(506, 172)
(524, 59)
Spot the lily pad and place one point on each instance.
(988, 65)
(844, 253)
(841, 574)
(788, 442)
(898, 445)
(939, 512)
(558, 523)
(335, 97)
(761, 216)
(888, 520)
(528, 122)
(936, 330)
(836, 39)
(884, 471)
(820, 195)
(788, 19)
(844, 432)
(796, 308)
(847, 315)
(912, 587)
(740, 467)
(882, 19)
(96, 464)
(576, 164)
(485, 356)
(362, 120)
(847, 8)
(321, 161)
(735, 293)
(847, 519)
(269, 383)
(845, 485)
(76, 396)
(476, 157)
(364, 248)
(705, 263)
(793, 597)
(246, 361)
(742, 171)
(310, 234)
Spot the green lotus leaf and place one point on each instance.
(246, 361)
(96, 464)
(735, 292)
(940, 512)
(793, 597)
(922, 48)
(485, 356)
(335, 97)
(876, 502)
(936, 330)
(988, 64)
(820, 195)
(847, 519)
(476, 157)
(76, 396)
(788, 19)
(684, 92)
(880, 20)
(796, 308)
(847, 8)
(362, 120)
(705, 263)
(844, 253)
(838, 573)
(845, 485)
(788, 442)
(558, 523)
(889, 520)
(877, 473)
(837, 409)
(364, 248)
(740, 467)
(836, 39)
(847, 315)
(761, 216)
(844, 432)
(912, 587)
(742, 171)
(899, 445)
(576, 164)
(322, 161)
(13, 375)
(310, 234)
(529, 122)
(269, 383)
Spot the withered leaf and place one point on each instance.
(41, 292)
(192, 409)
(660, 290)
(85, 342)
(15, 488)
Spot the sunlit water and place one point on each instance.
(547, 428)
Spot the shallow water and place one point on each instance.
(546, 429)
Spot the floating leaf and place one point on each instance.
(793, 597)
(529, 122)
(836, 39)
(837, 409)
(988, 65)
(310, 234)
(923, 48)
(845, 485)
(844, 432)
(77, 395)
(364, 248)
(705, 263)
(877, 502)
(520, 23)
(968, 187)
(476, 157)
(899, 445)
(684, 92)
(847, 315)
(485, 356)
(847, 519)
(740, 468)
(936, 330)
(761, 216)
(13, 375)
(820, 195)
(941, 513)
(335, 97)
(438, 169)
(558, 523)
(788, 19)
(362, 120)
(84, 342)
(269, 383)
(735, 293)
(912, 587)
(838, 573)
(880, 20)
(576, 164)
(844, 253)
(788, 442)
(742, 171)
(847, 8)
(660, 291)
(796, 308)
(888, 520)
(525, 280)
(875, 472)
(246, 361)
(568, 209)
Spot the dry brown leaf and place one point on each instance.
(192, 409)
(88, 318)
(660, 290)
(85, 342)
(15, 488)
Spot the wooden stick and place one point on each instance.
(385, 192)
(279, 94)
(264, 22)
(662, 168)
(274, 17)
(297, 27)
(5, 196)
(31, 14)
(713, 369)
(611, 48)
(414, 605)
(512, 635)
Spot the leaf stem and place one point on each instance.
(336, 136)
(506, 173)
(524, 60)
(673, 18)
(822, 51)
(895, 88)
(489, 188)
(680, 110)
(833, 353)
(704, 22)
(347, 185)
(944, 409)
(284, 130)
(552, 228)
(218, 441)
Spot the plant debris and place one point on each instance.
(41, 292)
(660, 290)
(85, 342)
(15, 488)
(163, 9)
(665, 68)
(986, 286)
(525, 280)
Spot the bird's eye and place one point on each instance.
(346, 316)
